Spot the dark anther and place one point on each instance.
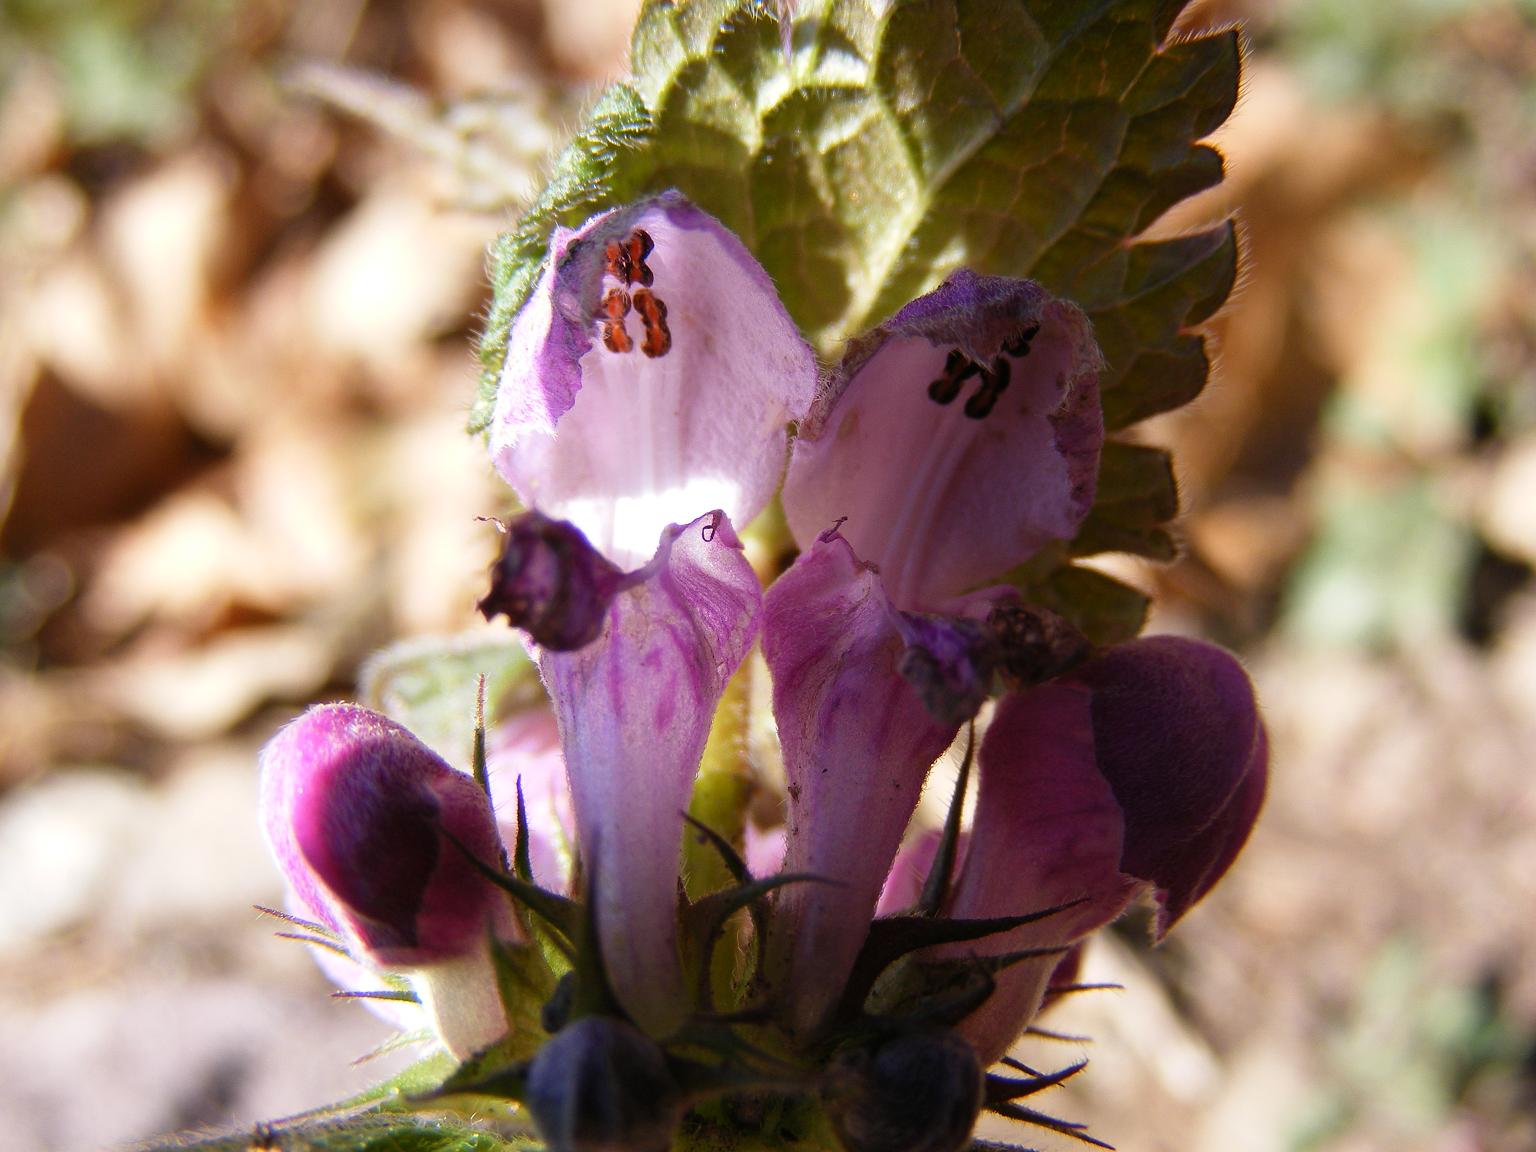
(616, 261)
(958, 367)
(1034, 645)
(653, 315)
(711, 528)
(1019, 345)
(636, 249)
(614, 308)
(994, 382)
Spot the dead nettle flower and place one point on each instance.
(643, 411)
(648, 387)
(374, 832)
(1143, 769)
(950, 444)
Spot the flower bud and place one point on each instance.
(363, 820)
(920, 1092)
(373, 832)
(552, 583)
(602, 1085)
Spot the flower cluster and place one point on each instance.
(644, 417)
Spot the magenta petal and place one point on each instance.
(1048, 830)
(857, 743)
(1179, 739)
(943, 496)
(635, 709)
(623, 443)
(362, 818)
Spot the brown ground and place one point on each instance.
(234, 366)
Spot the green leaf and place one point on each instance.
(1099, 606)
(1033, 138)
(1137, 494)
(374, 1133)
(429, 685)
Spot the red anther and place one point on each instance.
(615, 304)
(653, 315)
(615, 337)
(636, 249)
(616, 261)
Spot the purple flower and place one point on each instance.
(951, 443)
(955, 440)
(1142, 770)
(644, 414)
(374, 834)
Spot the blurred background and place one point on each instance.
(236, 315)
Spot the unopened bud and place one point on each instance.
(920, 1092)
(602, 1085)
(552, 583)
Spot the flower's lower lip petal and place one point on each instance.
(649, 432)
(635, 708)
(1179, 739)
(857, 745)
(1048, 831)
(937, 497)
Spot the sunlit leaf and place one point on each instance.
(1033, 138)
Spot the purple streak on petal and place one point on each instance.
(857, 744)
(635, 709)
(1180, 741)
(937, 500)
(622, 443)
(1048, 830)
(361, 816)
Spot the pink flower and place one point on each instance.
(951, 443)
(1142, 770)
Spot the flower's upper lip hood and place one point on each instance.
(649, 434)
(955, 440)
